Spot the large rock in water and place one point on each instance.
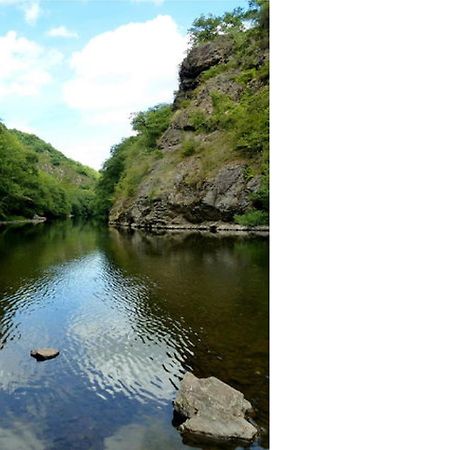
(213, 410)
(41, 354)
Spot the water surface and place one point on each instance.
(131, 312)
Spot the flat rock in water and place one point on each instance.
(213, 410)
(41, 354)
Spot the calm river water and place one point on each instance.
(131, 312)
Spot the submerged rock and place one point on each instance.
(41, 354)
(213, 410)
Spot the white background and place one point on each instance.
(360, 224)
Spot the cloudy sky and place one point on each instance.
(72, 72)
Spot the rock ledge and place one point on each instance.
(213, 410)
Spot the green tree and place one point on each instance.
(152, 123)
(109, 177)
(207, 28)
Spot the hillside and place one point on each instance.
(36, 179)
(203, 161)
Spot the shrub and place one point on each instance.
(158, 154)
(253, 218)
(152, 123)
(188, 147)
(207, 28)
(247, 120)
(199, 120)
(260, 199)
(184, 103)
(214, 71)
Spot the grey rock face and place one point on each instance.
(202, 58)
(213, 410)
(41, 354)
(227, 188)
(218, 199)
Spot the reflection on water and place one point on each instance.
(130, 312)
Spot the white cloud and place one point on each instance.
(31, 9)
(90, 149)
(62, 32)
(125, 70)
(25, 65)
(32, 12)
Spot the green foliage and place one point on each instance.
(214, 71)
(259, 13)
(183, 103)
(82, 171)
(122, 172)
(198, 120)
(260, 73)
(152, 123)
(246, 76)
(110, 175)
(207, 28)
(45, 153)
(204, 29)
(251, 118)
(254, 21)
(247, 120)
(260, 199)
(188, 147)
(158, 154)
(28, 185)
(223, 111)
(259, 214)
(253, 218)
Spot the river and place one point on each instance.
(131, 312)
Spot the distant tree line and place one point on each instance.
(29, 185)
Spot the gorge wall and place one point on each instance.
(203, 161)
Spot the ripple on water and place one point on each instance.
(108, 329)
(125, 344)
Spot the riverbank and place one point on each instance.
(20, 221)
(206, 226)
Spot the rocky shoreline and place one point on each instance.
(20, 221)
(212, 227)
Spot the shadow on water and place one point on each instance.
(131, 312)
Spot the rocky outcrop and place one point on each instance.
(201, 58)
(202, 102)
(207, 185)
(213, 410)
(215, 202)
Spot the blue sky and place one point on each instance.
(72, 72)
